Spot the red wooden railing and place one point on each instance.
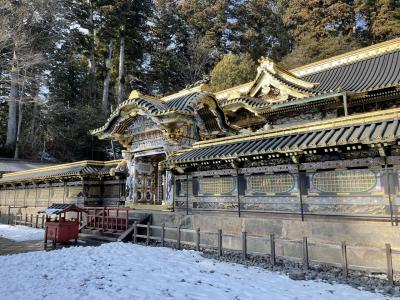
(107, 219)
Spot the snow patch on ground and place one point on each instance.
(128, 271)
(21, 233)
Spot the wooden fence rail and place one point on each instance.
(35, 221)
(244, 237)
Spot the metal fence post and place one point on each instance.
(36, 221)
(219, 242)
(344, 259)
(244, 244)
(272, 245)
(42, 221)
(31, 220)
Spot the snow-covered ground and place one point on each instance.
(21, 233)
(128, 271)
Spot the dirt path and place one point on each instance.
(11, 247)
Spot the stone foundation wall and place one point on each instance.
(365, 239)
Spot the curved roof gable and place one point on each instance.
(186, 104)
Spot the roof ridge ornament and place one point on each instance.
(138, 94)
(202, 87)
(269, 65)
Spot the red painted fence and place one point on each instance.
(107, 219)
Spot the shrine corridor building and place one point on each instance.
(309, 151)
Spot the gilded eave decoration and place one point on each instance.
(171, 116)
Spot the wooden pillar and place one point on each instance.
(344, 259)
(306, 263)
(219, 242)
(197, 239)
(389, 263)
(272, 246)
(244, 244)
(135, 232)
(178, 237)
(148, 234)
(163, 235)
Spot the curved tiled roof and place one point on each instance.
(82, 168)
(153, 106)
(185, 104)
(248, 101)
(372, 73)
(298, 142)
(340, 132)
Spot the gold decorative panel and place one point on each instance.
(217, 186)
(346, 181)
(274, 183)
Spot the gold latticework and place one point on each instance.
(217, 186)
(348, 181)
(277, 183)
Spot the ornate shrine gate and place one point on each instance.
(151, 130)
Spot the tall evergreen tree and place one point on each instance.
(168, 42)
(128, 18)
(381, 17)
(259, 29)
(26, 26)
(209, 19)
(318, 18)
